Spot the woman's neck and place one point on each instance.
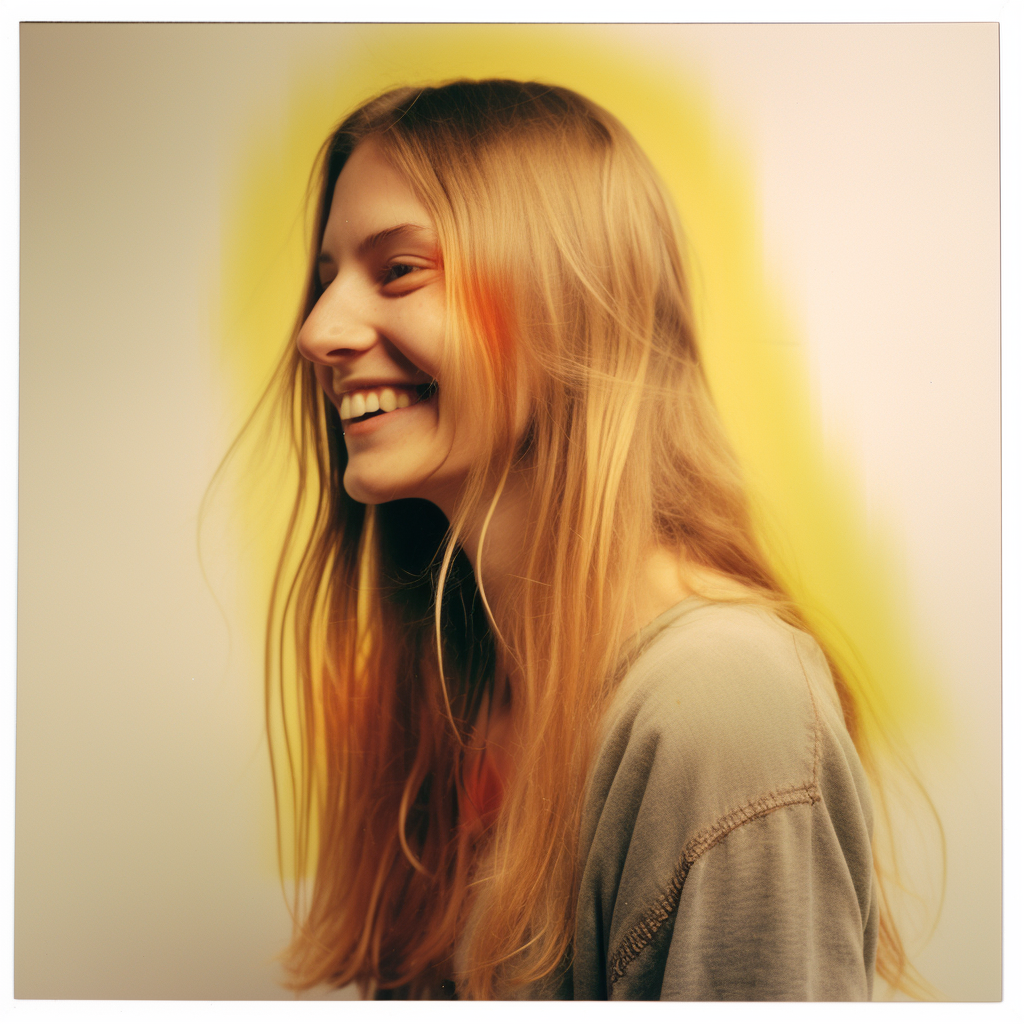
(659, 586)
(500, 564)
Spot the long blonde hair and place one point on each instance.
(564, 268)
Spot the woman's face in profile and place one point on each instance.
(375, 337)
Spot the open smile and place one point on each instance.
(368, 404)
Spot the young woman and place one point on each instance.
(563, 732)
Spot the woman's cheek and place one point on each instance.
(419, 330)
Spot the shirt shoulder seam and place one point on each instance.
(641, 934)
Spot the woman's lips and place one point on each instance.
(355, 396)
(405, 401)
(386, 398)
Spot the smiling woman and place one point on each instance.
(376, 334)
(563, 731)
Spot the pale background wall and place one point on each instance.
(142, 787)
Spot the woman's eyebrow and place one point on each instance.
(372, 241)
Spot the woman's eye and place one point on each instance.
(397, 270)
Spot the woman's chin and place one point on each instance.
(370, 486)
(372, 491)
(376, 488)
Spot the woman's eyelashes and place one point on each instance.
(395, 278)
(399, 270)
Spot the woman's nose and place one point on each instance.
(338, 326)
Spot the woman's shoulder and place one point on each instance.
(725, 713)
(715, 679)
(724, 764)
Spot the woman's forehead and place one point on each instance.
(372, 199)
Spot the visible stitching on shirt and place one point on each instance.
(641, 934)
(818, 739)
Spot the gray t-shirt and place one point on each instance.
(726, 837)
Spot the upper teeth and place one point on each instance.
(384, 399)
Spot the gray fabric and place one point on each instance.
(726, 840)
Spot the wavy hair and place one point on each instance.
(564, 268)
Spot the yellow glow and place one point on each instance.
(844, 571)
